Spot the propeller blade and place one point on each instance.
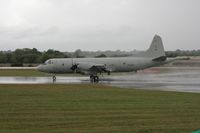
(74, 67)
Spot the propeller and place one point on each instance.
(74, 67)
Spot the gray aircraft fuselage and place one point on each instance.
(118, 64)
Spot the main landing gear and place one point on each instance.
(94, 78)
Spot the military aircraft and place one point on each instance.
(154, 56)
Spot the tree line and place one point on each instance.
(183, 53)
(26, 55)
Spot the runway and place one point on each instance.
(181, 79)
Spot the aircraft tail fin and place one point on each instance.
(156, 50)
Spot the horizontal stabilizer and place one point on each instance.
(161, 58)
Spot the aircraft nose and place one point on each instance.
(40, 68)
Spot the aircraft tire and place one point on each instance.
(91, 78)
(94, 79)
(54, 78)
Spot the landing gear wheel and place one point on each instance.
(94, 79)
(54, 78)
(91, 78)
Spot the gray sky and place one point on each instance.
(68, 25)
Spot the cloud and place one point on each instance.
(98, 24)
(35, 32)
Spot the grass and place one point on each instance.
(36, 73)
(95, 109)
(20, 72)
(28, 72)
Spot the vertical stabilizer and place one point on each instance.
(156, 49)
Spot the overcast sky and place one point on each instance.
(68, 25)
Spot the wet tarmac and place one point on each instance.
(182, 79)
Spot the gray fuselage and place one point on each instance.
(118, 64)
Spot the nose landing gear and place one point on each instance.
(54, 78)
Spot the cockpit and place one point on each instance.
(46, 66)
(48, 62)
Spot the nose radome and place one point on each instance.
(39, 68)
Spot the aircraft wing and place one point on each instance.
(86, 67)
(98, 68)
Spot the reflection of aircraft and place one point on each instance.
(154, 56)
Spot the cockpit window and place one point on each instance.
(48, 62)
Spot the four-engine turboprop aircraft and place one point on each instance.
(154, 56)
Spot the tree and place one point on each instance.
(2, 58)
(77, 54)
(52, 54)
(101, 56)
